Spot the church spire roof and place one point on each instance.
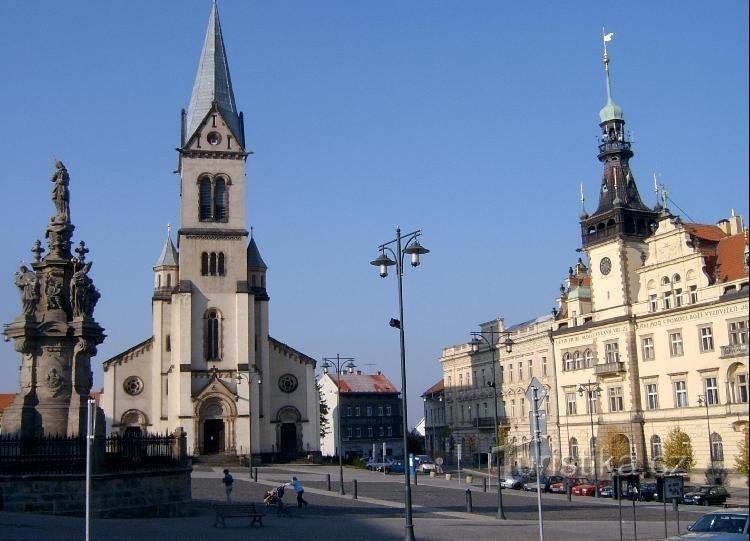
(254, 261)
(169, 256)
(611, 110)
(213, 85)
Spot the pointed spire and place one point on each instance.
(611, 111)
(213, 83)
(169, 256)
(254, 261)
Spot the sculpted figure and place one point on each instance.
(60, 193)
(29, 285)
(83, 294)
(53, 289)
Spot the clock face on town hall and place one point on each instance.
(605, 265)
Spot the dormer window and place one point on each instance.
(213, 194)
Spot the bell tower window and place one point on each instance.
(213, 264)
(213, 199)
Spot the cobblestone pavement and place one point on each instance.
(439, 513)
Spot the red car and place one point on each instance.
(588, 488)
(559, 488)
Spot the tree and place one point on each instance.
(678, 452)
(615, 446)
(323, 411)
(740, 461)
(415, 442)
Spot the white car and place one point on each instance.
(423, 463)
(725, 525)
(378, 464)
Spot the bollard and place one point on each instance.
(255, 474)
(484, 484)
(328, 481)
(415, 477)
(354, 494)
(568, 490)
(469, 506)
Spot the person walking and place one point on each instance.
(228, 481)
(297, 486)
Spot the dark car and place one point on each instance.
(397, 466)
(706, 495)
(547, 481)
(647, 492)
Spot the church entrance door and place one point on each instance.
(213, 436)
(289, 438)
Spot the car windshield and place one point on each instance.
(704, 490)
(720, 522)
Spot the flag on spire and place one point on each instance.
(608, 37)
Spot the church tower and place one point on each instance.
(211, 367)
(613, 235)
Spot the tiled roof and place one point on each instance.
(365, 383)
(711, 233)
(169, 256)
(6, 399)
(437, 388)
(730, 264)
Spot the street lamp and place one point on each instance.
(475, 343)
(414, 249)
(591, 388)
(703, 401)
(329, 362)
(251, 371)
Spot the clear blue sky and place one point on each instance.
(475, 122)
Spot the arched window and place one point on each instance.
(717, 447)
(204, 264)
(221, 264)
(212, 264)
(676, 279)
(573, 448)
(568, 362)
(220, 200)
(204, 207)
(158, 280)
(656, 447)
(578, 360)
(212, 336)
(665, 281)
(169, 280)
(589, 355)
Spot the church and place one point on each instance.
(210, 366)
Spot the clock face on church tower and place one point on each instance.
(605, 265)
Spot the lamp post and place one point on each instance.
(411, 247)
(475, 343)
(703, 401)
(251, 371)
(337, 361)
(591, 388)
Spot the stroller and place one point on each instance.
(274, 497)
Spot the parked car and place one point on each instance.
(607, 491)
(586, 489)
(726, 525)
(547, 481)
(513, 481)
(706, 495)
(559, 487)
(423, 463)
(378, 464)
(647, 492)
(396, 466)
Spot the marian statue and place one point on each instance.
(83, 294)
(60, 193)
(27, 282)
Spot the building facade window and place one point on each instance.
(741, 388)
(380, 411)
(568, 362)
(357, 411)
(212, 336)
(388, 411)
(656, 452)
(510, 372)
(520, 371)
(578, 360)
(675, 343)
(390, 431)
(615, 399)
(652, 396)
(711, 389)
(369, 432)
(348, 411)
(513, 407)
(737, 333)
(359, 432)
(573, 445)
(589, 356)
(544, 367)
(591, 403)
(693, 294)
(652, 303)
(717, 447)
(531, 368)
(369, 411)
(647, 348)
(213, 264)
(707, 339)
(381, 431)
(348, 433)
(611, 352)
(523, 407)
(570, 401)
(680, 394)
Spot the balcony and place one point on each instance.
(735, 350)
(488, 422)
(609, 369)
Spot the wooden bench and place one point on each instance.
(238, 510)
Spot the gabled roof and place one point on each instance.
(6, 399)
(365, 383)
(439, 387)
(730, 261)
(705, 232)
(213, 83)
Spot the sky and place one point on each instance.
(475, 122)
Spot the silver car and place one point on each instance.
(726, 525)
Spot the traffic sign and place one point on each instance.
(542, 422)
(541, 392)
(673, 487)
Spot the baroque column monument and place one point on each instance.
(56, 333)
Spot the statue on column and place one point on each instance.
(27, 282)
(60, 193)
(83, 294)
